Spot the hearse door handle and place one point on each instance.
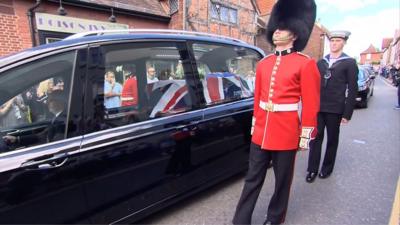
(180, 127)
(192, 126)
(12, 132)
(43, 163)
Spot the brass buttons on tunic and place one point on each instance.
(272, 82)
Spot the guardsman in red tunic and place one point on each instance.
(129, 95)
(287, 83)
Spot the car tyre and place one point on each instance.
(364, 103)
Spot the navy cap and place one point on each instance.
(339, 34)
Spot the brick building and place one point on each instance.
(52, 20)
(370, 56)
(233, 18)
(386, 51)
(248, 22)
(391, 50)
(26, 23)
(316, 43)
(396, 47)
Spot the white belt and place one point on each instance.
(271, 107)
(127, 99)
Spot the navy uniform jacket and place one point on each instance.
(344, 75)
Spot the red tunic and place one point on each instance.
(285, 79)
(129, 95)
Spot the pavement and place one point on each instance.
(363, 189)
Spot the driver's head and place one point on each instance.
(129, 69)
(56, 102)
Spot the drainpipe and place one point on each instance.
(30, 13)
(184, 14)
(186, 6)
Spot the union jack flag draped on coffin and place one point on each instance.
(222, 86)
(166, 95)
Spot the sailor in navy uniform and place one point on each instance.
(338, 92)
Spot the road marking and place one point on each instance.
(395, 216)
(359, 141)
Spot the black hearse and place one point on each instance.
(88, 137)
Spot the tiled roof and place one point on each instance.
(145, 6)
(386, 42)
(371, 49)
(265, 6)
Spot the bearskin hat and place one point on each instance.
(298, 16)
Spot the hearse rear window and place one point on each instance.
(226, 72)
(143, 81)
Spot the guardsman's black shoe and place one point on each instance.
(311, 177)
(267, 222)
(269, 164)
(324, 175)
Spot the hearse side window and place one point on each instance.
(34, 102)
(226, 72)
(143, 81)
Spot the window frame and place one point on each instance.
(46, 37)
(174, 9)
(98, 71)
(216, 9)
(73, 93)
(200, 88)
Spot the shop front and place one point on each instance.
(54, 27)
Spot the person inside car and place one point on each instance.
(129, 95)
(54, 131)
(13, 112)
(151, 75)
(112, 91)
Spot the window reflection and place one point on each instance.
(34, 110)
(153, 83)
(227, 73)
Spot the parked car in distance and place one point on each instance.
(366, 81)
(88, 136)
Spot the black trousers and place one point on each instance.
(332, 123)
(283, 165)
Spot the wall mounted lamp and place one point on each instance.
(112, 18)
(61, 11)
